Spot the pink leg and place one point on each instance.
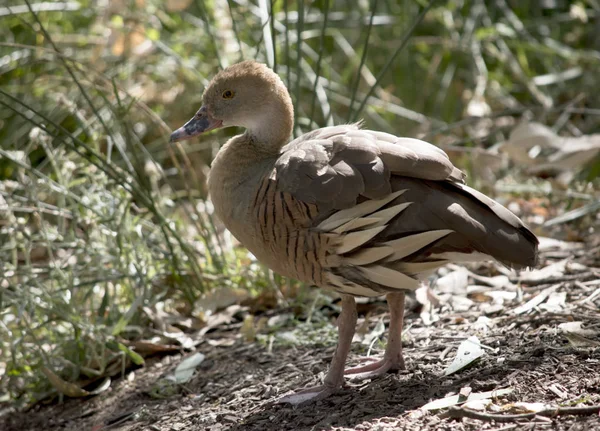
(335, 377)
(392, 359)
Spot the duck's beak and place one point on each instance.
(202, 122)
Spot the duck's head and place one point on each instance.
(249, 95)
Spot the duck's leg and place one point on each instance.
(392, 359)
(335, 377)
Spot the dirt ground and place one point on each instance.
(236, 387)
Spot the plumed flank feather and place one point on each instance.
(347, 287)
(352, 240)
(356, 223)
(379, 218)
(384, 216)
(362, 209)
(388, 277)
(410, 244)
(366, 256)
(419, 269)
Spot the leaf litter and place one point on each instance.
(525, 343)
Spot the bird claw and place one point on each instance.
(307, 396)
(374, 369)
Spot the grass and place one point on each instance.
(103, 225)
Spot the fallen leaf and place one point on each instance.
(429, 300)
(556, 302)
(221, 342)
(468, 351)
(537, 300)
(549, 244)
(590, 208)
(454, 282)
(289, 337)
(545, 152)
(220, 298)
(279, 320)
(64, 387)
(185, 370)
(558, 390)
(523, 407)
(483, 323)
(498, 281)
(146, 347)
(454, 400)
(375, 334)
(576, 328)
(478, 405)
(465, 391)
(577, 340)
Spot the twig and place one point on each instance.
(584, 275)
(458, 412)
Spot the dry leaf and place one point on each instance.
(221, 342)
(523, 407)
(375, 334)
(575, 328)
(425, 296)
(64, 387)
(454, 400)
(498, 281)
(468, 351)
(544, 151)
(549, 244)
(219, 299)
(185, 370)
(578, 336)
(454, 282)
(537, 300)
(478, 405)
(146, 347)
(557, 269)
(556, 302)
(577, 340)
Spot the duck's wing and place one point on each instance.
(334, 166)
(397, 207)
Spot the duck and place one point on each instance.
(361, 212)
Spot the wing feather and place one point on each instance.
(393, 204)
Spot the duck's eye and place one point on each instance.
(228, 94)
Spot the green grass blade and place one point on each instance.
(235, 29)
(273, 34)
(356, 82)
(299, 29)
(318, 68)
(389, 63)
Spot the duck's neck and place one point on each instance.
(272, 130)
(236, 173)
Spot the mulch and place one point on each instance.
(238, 384)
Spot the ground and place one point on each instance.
(238, 384)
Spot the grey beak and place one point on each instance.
(200, 123)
